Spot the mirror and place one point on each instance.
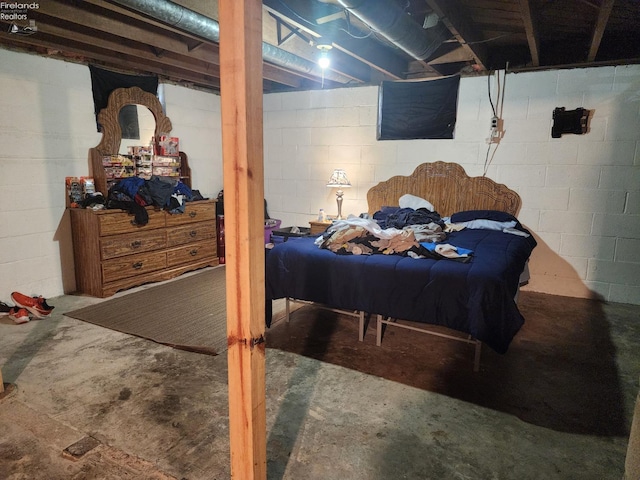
(138, 126)
(146, 103)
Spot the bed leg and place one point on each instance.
(379, 331)
(361, 326)
(287, 309)
(476, 359)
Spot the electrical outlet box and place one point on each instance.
(496, 131)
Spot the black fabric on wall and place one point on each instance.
(103, 82)
(424, 109)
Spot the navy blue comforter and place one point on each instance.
(475, 297)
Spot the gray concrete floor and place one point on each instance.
(154, 412)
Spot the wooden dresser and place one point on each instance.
(111, 253)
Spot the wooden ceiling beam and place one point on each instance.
(279, 75)
(85, 18)
(455, 55)
(92, 47)
(206, 60)
(462, 29)
(601, 24)
(591, 4)
(123, 61)
(142, 18)
(91, 43)
(191, 46)
(530, 28)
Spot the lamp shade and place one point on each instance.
(339, 179)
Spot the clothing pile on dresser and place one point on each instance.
(134, 193)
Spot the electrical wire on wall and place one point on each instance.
(497, 130)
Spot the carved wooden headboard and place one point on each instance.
(448, 188)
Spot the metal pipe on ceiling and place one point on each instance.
(207, 28)
(391, 21)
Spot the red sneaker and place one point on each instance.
(19, 315)
(36, 305)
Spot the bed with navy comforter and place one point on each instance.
(473, 292)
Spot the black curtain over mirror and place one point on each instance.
(103, 82)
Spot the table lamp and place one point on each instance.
(339, 180)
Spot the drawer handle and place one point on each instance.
(136, 244)
(137, 265)
(193, 252)
(193, 233)
(192, 214)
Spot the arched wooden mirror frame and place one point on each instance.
(108, 117)
(112, 134)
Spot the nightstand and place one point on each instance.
(318, 227)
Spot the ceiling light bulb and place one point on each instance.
(324, 46)
(324, 61)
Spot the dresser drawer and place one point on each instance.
(191, 233)
(194, 212)
(191, 253)
(132, 265)
(121, 245)
(121, 222)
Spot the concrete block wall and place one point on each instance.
(195, 117)
(47, 126)
(580, 193)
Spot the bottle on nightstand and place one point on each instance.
(321, 224)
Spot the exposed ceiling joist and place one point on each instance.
(462, 29)
(600, 26)
(178, 40)
(531, 30)
(105, 21)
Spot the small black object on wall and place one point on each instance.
(569, 121)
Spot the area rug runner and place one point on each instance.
(188, 313)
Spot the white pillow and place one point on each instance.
(411, 201)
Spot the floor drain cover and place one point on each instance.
(81, 447)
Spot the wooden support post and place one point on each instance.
(242, 149)
(1, 382)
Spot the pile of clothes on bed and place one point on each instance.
(413, 229)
